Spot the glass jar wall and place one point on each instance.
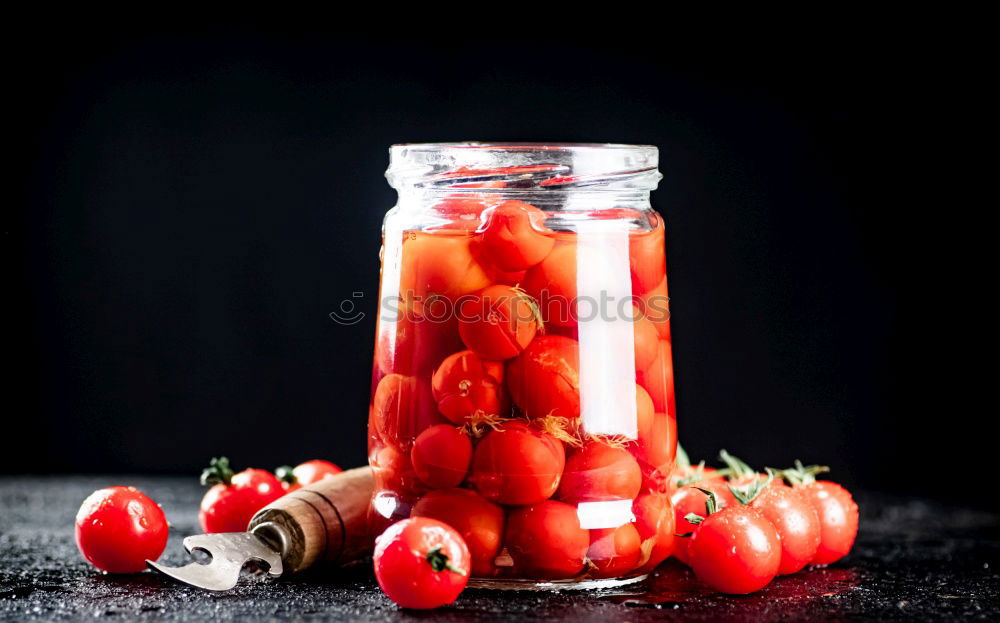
(522, 389)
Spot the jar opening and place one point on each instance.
(514, 167)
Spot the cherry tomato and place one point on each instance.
(305, 474)
(421, 563)
(690, 500)
(517, 464)
(439, 264)
(735, 550)
(599, 472)
(658, 380)
(498, 323)
(459, 212)
(646, 340)
(655, 306)
(646, 260)
(545, 378)
(552, 283)
(545, 540)
(233, 499)
(838, 519)
(465, 384)
(654, 520)
(614, 551)
(479, 521)
(513, 237)
(796, 522)
(119, 528)
(657, 433)
(403, 407)
(416, 344)
(441, 456)
(393, 471)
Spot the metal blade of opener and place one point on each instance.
(230, 551)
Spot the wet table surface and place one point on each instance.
(914, 560)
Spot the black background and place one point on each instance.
(188, 206)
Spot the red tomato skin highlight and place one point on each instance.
(545, 378)
(498, 322)
(599, 472)
(796, 522)
(614, 551)
(441, 455)
(517, 465)
(404, 572)
(465, 384)
(479, 521)
(230, 508)
(736, 550)
(510, 237)
(838, 519)
(545, 540)
(118, 528)
(691, 500)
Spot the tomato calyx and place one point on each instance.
(218, 472)
(735, 469)
(745, 494)
(480, 423)
(711, 507)
(802, 474)
(439, 561)
(561, 428)
(285, 474)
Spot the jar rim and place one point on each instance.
(524, 165)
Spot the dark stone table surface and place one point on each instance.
(914, 560)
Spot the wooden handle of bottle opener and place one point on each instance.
(326, 521)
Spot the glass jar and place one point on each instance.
(522, 389)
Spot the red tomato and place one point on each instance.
(838, 519)
(403, 407)
(796, 522)
(545, 378)
(658, 380)
(735, 550)
(552, 283)
(394, 471)
(441, 456)
(517, 464)
(657, 433)
(439, 264)
(463, 385)
(421, 563)
(479, 521)
(305, 474)
(656, 308)
(646, 342)
(234, 499)
(416, 344)
(614, 551)
(647, 260)
(460, 212)
(545, 540)
(654, 520)
(498, 323)
(513, 235)
(119, 528)
(599, 472)
(690, 500)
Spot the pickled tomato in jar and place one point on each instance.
(522, 386)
